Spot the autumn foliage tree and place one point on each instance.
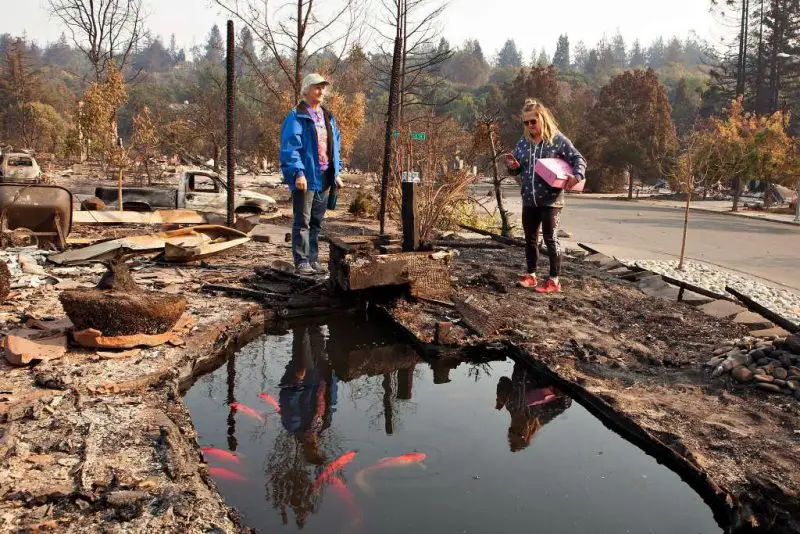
(752, 147)
(146, 139)
(631, 130)
(96, 115)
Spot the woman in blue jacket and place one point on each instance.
(311, 163)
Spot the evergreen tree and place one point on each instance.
(637, 59)
(674, 51)
(543, 60)
(215, 46)
(561, 59)
(509, 56)
(655, 54)
(581, 56)
(619, 52)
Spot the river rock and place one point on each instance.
(715, 361)
(794, 371)
(792, 343)
(722, 350)
(758, 354)
(793, 385)
(785, 360)
(760, 371)
(742, 374)
(780, 383)
(772, 388)
(763, 362)
(764, 379)
(780, 373)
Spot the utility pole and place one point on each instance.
(230, 111)
(392, 114)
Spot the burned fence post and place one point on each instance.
(229, 121)
(410, 226)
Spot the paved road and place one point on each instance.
(765, 249)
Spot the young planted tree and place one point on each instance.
(486, 140)
(145, 140)
(96, 114)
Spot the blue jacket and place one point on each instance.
(535, 191)
(299, 153)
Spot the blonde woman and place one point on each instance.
(542, 204)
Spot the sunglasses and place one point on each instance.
(531, 122)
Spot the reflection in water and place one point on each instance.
(532, 403)
(231, 383)
(307, 403)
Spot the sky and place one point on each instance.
(531, 24)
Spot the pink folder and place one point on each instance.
(554, 171)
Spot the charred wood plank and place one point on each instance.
(696, 289)
(454, 243)
(511, 241)
(764, 311)
(262, 296)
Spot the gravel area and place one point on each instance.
(783, 302)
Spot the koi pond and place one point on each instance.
(337, 426)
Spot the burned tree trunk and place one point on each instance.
(119, 307)
(505, 226)
(5, 281)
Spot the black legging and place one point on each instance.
(549, 219)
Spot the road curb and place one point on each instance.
(715, 212)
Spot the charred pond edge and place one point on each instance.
(727, 515)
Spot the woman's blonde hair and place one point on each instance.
(549, 126)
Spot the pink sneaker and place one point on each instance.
(528, 281)
(549, 287)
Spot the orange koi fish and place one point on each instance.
(396, 461)
(225, 474)
(220, 454)
(269, 399)
(334, 466)
(347, 496)
(248, 411)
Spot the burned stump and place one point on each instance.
(357, 264)
(118, 307)
(118, 313)
(5, 281)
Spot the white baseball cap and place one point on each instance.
(313, 79)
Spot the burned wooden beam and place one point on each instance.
(764, 311)
(694, 288)
(511, 241)
(356, 265)
(589, 249)
(455, 243)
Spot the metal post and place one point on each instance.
(229, 122)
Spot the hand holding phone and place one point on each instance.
(511, 162)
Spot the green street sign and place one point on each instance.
(395, 133)
(417, 136)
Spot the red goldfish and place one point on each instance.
(225, 474)
(347, 496)
(332, 467)
(269, 399)
(396, 461)
(220, 454)
(248, 411)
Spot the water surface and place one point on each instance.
(504, 450)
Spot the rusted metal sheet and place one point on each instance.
(44, 210)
